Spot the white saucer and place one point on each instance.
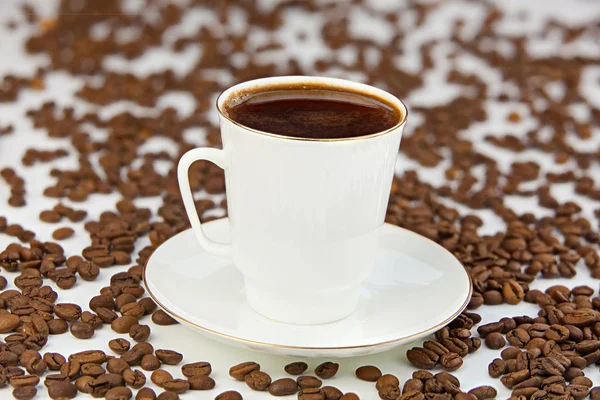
(417, 287)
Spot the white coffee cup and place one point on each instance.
(305, 213)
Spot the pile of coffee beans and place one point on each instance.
(451, 344)
(548, 353)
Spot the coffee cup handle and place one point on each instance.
(219, 158)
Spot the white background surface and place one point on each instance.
(60, 88)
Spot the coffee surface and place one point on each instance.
(313, 113)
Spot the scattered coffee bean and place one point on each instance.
(368, 373)
(168, 396)
(229, 395)
(118, 393)
(169, 357)
(24, 392)
(311, 394)
(197, 368)
(160, 317)
(327, 370)
(331, 393)
(82, 330)
(119, 345)
(160, 376)
(145, 394)
(240, 371)
(495, 341)
(63, 233)
(204, 382)
(296, 368)
(387, 380)
(134, 378)
(258, 380)
(150, 362)
(62, 390)
(308, 382)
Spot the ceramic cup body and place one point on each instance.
(305, 214)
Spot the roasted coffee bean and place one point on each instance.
(571, 373)
(123, 324)
(240, 371)
(134, 378)
(169, 357)
(139, 333)
(368, 373)
(150, 362)
(296, 368)
(102, 384)
(330, 393)
(94, 370)
(160, 317)
(436, 347)
(556, 332)
(145, 394)
(473, 344)
(229, 395)
(197, 368)
(132, 310)
(311, 394)
(177, 385)
(451, 361)
(422, 358)
(118, 393)
(389, 392)
(62, 390)
(518, 337)
(582, 380)
(513, 292)
(88, 356)
(350, 396)
(484, 392)
(204, 382)
(492, 298)
(511, 379)
(68, 311)
(82, 330)
(412, 396)
(160, 376)
(119, 345)
(24, 380)
(388, 380)
(8, 322)
(116, 366)
(495, 341)
(168, 396)
(258, 380)
(595, 393)
(413, 385)
(486, 329)
(327, 370)
(36, 366)
(457, 346)
(308, 382)
(92, 319)
(54, 361)
(24, 392)
(71, 369)
(148, 304)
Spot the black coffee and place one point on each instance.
(314, 113)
